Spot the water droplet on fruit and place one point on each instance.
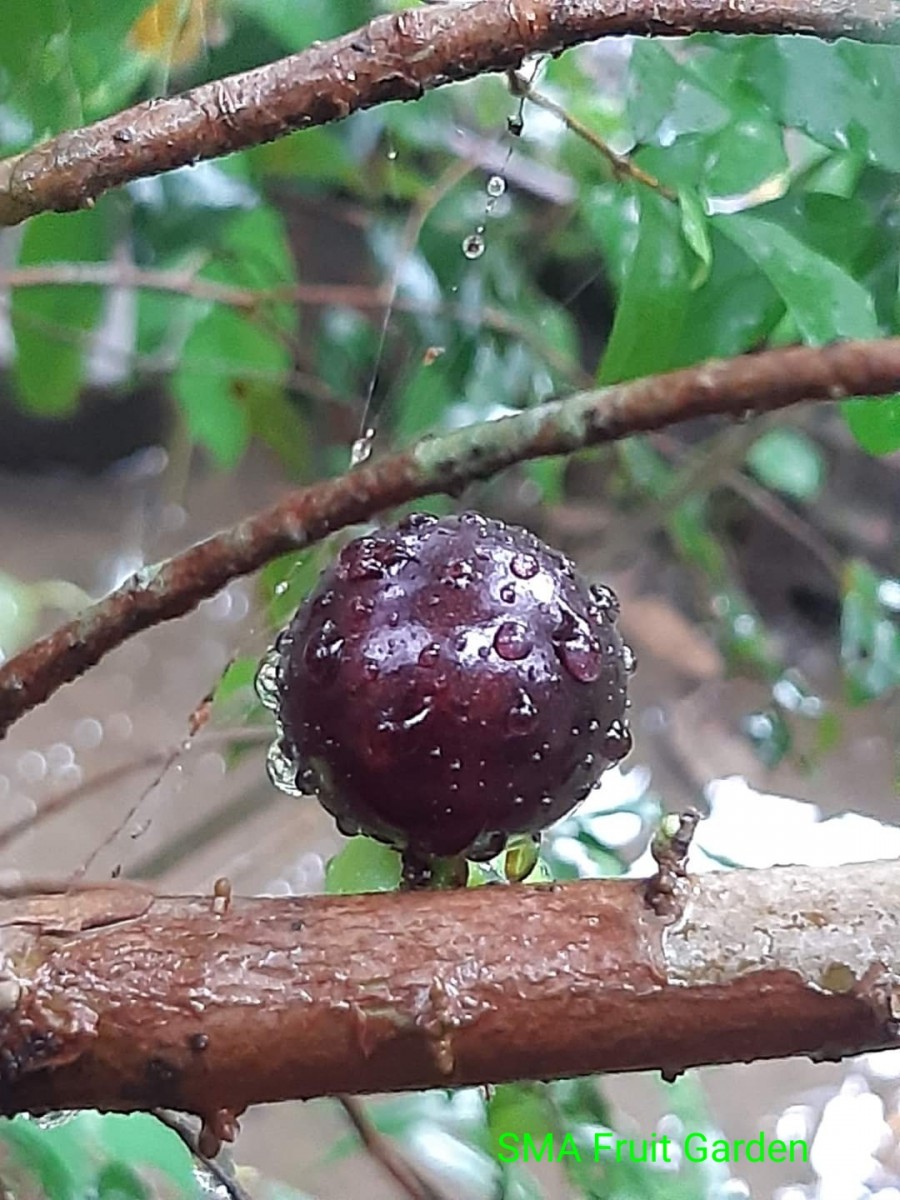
(281, 770)
(458, 574)
(512, 641)
(364, 568)
(323, 654)
(605, 599)
(416, 520)
(473, 246)
(496, 186)
(581, 657)
(508, 593)
(523, 715)
(266, 681)
(525, 566)
(361, 606)
(429, 654)
(617, 742)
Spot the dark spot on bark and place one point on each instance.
(198, 1042)
(296, 926)
(160, 1071)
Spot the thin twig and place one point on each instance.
(383, 1151)
(183, 1129)
(622, 165)
(762, 382)
(312, 295)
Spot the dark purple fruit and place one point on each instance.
(448, 683)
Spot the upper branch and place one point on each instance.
(114, 999)
(394, 57)
(761, 382)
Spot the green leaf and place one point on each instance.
(296, 25)
(788, 461)
(823, 299)
(117, 1181)
(695, 227)
(746, 153)
(520, 1109)
(875, 423)
(667, 101)
(870, 636)
(732, 311)
(287, 581)
(842, 94)
(363, 865)
(826, 303)
(649, 317)
(66, 64)
(234, 364)
(33, 1153)
(50, 323)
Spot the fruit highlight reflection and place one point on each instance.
(448, 683)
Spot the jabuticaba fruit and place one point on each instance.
(448, 683)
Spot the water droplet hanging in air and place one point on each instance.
(496, 186)
(392, 154)
(473, 246)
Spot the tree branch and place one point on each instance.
(394, 57)
(114, 999)
(761, 382)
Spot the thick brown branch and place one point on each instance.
(394, 57)
(114, 999)
(753, 383)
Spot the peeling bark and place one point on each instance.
(394, 57)
(169, 1003)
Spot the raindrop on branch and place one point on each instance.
(362, 448)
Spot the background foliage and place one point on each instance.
(521, 266)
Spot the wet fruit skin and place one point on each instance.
(448, 683)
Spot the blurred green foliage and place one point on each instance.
(776, 222)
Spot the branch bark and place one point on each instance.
(394, 57)
(762, 382)
(114, 999)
